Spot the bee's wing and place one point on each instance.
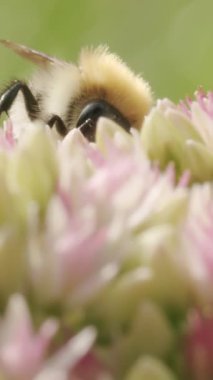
(40, 59)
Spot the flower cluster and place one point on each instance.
(106, 257)
(182, 134)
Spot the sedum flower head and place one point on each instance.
(106, 251)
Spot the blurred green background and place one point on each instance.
(170, 42)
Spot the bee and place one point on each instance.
(66, 96)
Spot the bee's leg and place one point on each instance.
(58, 123)
(9, 95)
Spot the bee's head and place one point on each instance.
(107, 87)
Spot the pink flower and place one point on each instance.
(200, 111)
(74, 360)
(183, 135)
(91, 368)
(197, 242)
(24, 354)
(203, 99)
(21, 350)
(199, 346)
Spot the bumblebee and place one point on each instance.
(66, 96)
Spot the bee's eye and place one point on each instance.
(92, 111)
